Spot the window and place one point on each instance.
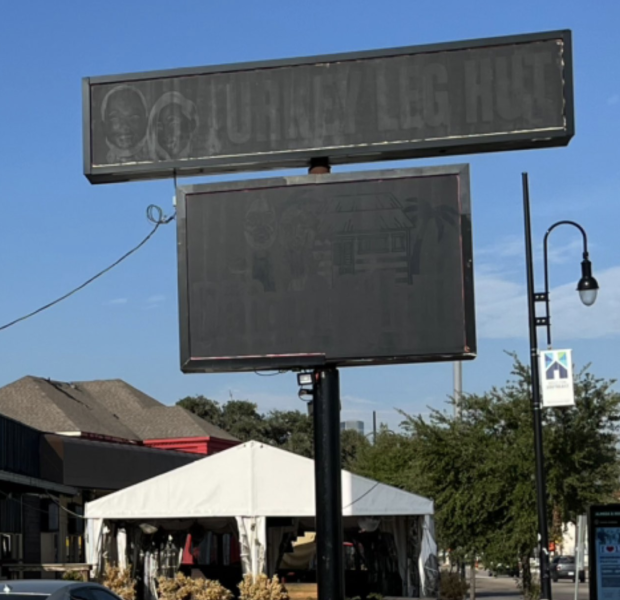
(343, 257)
(74, 546)
(226, 549)
(213, 556)
(49, 516)
(373, 244)
(5, 546)
(102, 594)
(92, 593)
(76, 523)
(399, 242)
(24, 596)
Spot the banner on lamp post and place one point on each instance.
(556, 367)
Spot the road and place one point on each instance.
(505, 588)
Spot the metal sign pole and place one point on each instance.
(458, 388)
(328, 485)
(541, 486)
(579, 551)
(577, 556)
(327, 470)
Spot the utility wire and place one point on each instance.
(59, 505)
(280, 372)
(153, 214)
(19, 501)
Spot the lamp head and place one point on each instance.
(587, 286)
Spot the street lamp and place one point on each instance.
(587, 285)
(587, 288)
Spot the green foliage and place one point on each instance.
(452, 586)
(238, 417)
(480, 469)
(74, 576)
(581, 443)
(242, 419)
(290, 430)
(531, 591)
(351, 444)
(391, 459)
(204, 407)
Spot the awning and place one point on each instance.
(88, 464)
(40, 484)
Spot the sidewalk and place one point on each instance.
(504, 588)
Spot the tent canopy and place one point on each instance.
(251, 480)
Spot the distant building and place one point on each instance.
(109, 411)
(355, 425)
(63, 444)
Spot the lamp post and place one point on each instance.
(587, 288)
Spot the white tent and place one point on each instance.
(251, 482)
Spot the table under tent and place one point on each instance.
(250, 509)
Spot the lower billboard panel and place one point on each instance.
(347, 269)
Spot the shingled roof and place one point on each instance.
(110, 408)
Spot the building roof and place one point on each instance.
(366, 213)
(108, 408)
(163, 422)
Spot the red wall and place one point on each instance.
(195, 445)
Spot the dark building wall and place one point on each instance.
(32, 530)
(10, 514)
(94, 465)
(19, 448)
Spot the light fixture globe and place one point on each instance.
(587, 286)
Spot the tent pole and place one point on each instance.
(328, 485)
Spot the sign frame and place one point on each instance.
(560, 391)
(345, 154)
(599, 511)
(247, 363)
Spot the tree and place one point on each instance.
(451, 465)
(352, 442)
(581, 444)
(487, 500)
(291, 430)
(242, 419)
(204, 407)
(390, 459)
(479, 469)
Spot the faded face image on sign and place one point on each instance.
(124, 115)
(260, 225)
(495, 94)
(173, 122)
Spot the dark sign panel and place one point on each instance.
(342, 269)
(491, 94)
(604, 551)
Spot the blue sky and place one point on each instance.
(57, 229)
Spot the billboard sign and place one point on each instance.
(556, 367)
(347, 269)
(473, 96)
(604, 551)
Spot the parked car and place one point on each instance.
(563, 567)
(53, 589)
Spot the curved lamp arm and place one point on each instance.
(587, 286)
